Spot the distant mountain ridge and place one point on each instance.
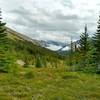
(46, 44)
(52, 45)
(67, 47)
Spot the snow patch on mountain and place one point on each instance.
(65, 48)
(53, 47)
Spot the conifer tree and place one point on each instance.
(96, 40)
(3, 46)
(91, 59)
(84, 44)
(71, 53)
(39, 62)
(84, 47)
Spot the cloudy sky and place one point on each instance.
(56, 20)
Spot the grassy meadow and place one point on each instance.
(49, 84)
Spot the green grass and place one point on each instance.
(49, 84)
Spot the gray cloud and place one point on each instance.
(50, 19)
(67, 3)
(60, 23)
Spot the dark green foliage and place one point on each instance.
(84, 44)
(39, 62)
(3, 47)
(84, 56)
(71, 54)
(96, 40)
(84, 48)
(91, 60)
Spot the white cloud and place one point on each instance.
(51, 19)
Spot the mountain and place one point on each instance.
(58, 46)
(14, 34)
(65, 49)
(29, 50)
(52, 45)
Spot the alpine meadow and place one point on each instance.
(49, 50)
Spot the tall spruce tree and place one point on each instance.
(84, 47)
(39, 62)
(71, 53)
(84, 44)
(91, 59)
(96, 40)
(3, 46)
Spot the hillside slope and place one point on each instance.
(29, 50)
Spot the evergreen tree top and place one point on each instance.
(0, 15)
(2, 25)
(84, 45)
(85, 29)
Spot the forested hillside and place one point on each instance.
(30, 51)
